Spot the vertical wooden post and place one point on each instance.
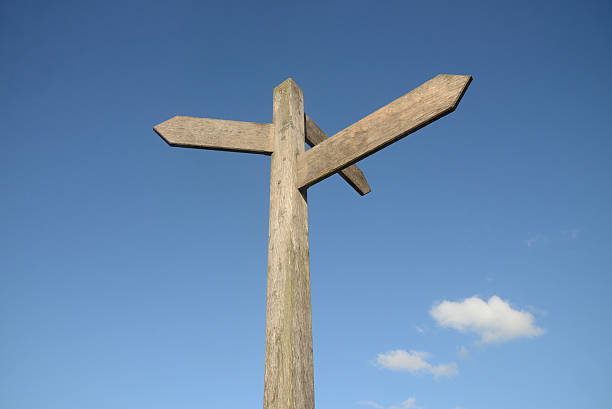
(289, 380)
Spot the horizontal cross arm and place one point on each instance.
(421, 106)
(352, 174)
(217, 134)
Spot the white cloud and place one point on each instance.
(409, 403)
(371, 404)
(414, 362)
(494, 320)
(449, 370)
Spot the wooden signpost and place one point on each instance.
(288, 379)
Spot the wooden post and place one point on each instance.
(288, 380)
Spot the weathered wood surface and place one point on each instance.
(421, 106)
(289, 379)
(217, 134)
(352, 174)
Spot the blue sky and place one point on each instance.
(475, 275)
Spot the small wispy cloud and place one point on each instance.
(570, 233)
(409, 403)
(532, 241)
(371, 404)
(537, 311)
(414, 362)
(494, 320)
(463, 352)
(420, 330)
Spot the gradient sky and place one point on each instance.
(475, 275)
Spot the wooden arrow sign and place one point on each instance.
(421, 106)
(247, 137)
(217, 134)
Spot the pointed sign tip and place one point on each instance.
(466, 80)
(459, 85)
(160, 128)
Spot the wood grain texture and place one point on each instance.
(217, 134)
(351, 174)
(421, 106)
(289, 379)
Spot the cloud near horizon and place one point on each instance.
(495, 321)
(414, 362)
(409, 403)
(371, 404)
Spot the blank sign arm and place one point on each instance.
(352, 174)
(217, 134)
(421, 106)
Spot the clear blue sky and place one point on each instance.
(475, 275)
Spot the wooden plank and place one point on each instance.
(289, 374)
(217, 134)
(352, 174)
(421, 106)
